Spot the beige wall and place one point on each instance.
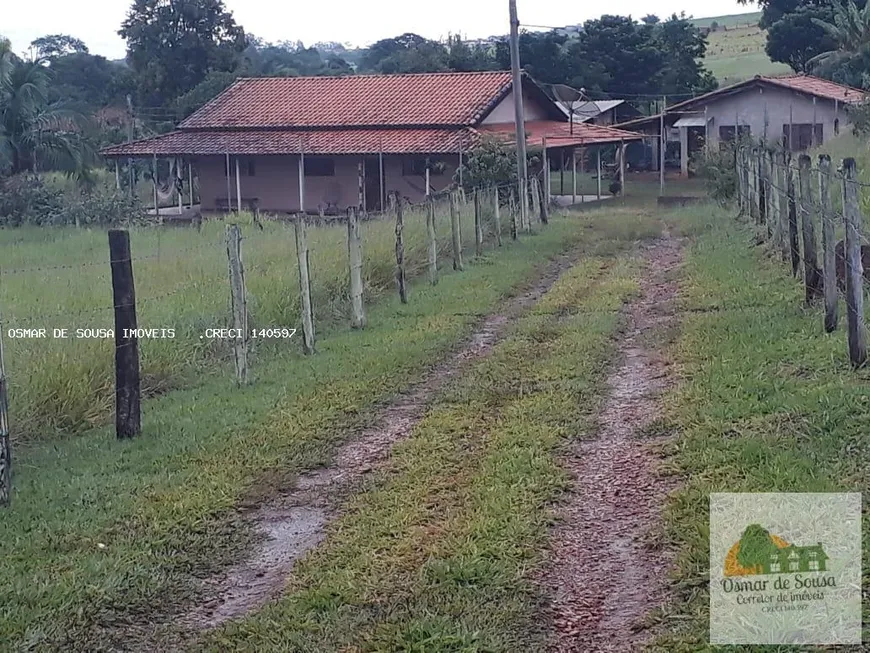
(275, 183)
(504, 111)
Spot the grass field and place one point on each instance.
(735, 51)
(766, 403)
(101, 531)
(60, 278)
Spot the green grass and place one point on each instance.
(766, 402)
(734, 55)
(162, 505)
(65, 386)
(436, 555)
(730, 21)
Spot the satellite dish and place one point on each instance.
(566, 94)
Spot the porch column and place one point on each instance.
(154, 180)
(361, 178)
(574, 176)
(684, 151)
(562, 172)
(229, 185)
(238, 188)
(117, 175)
(179, 185)
(190, 181)
(655, 153)
(301, 176)
(599, 172)
(622, 147)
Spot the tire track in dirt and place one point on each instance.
(601, 579)
(295, 521)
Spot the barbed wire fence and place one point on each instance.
(796, 205)
(493, 214)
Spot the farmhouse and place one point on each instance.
(800, 111)
(328, 143)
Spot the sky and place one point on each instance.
(359, 22)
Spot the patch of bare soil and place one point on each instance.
(295, 522)
(601, 578)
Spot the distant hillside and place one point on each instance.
(734, 20)
(735, 49)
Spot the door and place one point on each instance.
(373, 184)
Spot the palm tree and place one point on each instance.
(849, 29)
(34, 133)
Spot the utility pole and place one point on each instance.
(522, 167)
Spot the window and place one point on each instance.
(317, 166)
(814, 565)
(775, 567)
(793, 566)
(726, 133)
(802, 135)
(417, 167)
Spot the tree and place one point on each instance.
(89, 81)
(797, 37)
(408, 53)
(172, 46)
(490, 163)
(683, 47)
(57, 45)
(34, 133)
(463, 57)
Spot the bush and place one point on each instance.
(28, 199)
(716, 166)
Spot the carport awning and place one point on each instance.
(691, 121)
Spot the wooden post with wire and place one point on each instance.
(512, 210)
(431, 241)
(238, 302)
(854, 267)
(496, 208)
(793, 239)
(478, 227)
(401, 278)
(828, 245)
(355, 262)
(456, 232)
(812, 274)
(128, 421)
(303, 257)
(783, 203)
(5, 445)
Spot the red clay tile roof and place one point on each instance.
(274, 142)
(818, 87)
(437, 99)
(559, 133)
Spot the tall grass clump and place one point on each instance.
(59, 278)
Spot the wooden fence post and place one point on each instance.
(478, 227)
(812, 275)
(828, 245)
(355, 261)
(762, 186)
(128, 422)
(740, 168)
(769, 194)
(545, 200)
(496, 207)
(456, 232)
(753, 184)
(400, 248)
(782, 201)
(536, 199)
(303, 256)
(5, 445)
(774, 223)
(794, 244)
(854, 266)
(512, 210)
(432, 241)
(239, 302)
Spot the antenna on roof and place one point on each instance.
(568, 96)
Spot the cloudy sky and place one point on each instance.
(359, 22)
